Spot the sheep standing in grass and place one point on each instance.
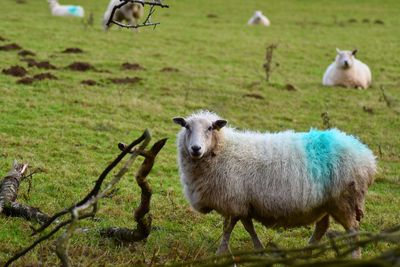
(65, 10)
(347, 71)
(130, 12)
(279, 179)
(258, 19)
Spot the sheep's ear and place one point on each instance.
(338, 50)
(354, 52)
(218, 124)
(180, 121)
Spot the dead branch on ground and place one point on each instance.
(9, 187)
(87, 207)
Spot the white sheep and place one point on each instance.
(258, 19)
(65, 10)
(279, 179)
(130, 12)
(347, 71)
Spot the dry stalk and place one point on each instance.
(268, 60)
(325, 120)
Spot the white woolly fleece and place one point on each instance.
(283, 178)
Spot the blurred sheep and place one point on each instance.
(130, 12)
(65, 10)
(259, 19)
(347, 71)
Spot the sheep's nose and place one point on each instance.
(346, 63)
(195, 148)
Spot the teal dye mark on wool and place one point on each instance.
(73, 10)
(321, 148)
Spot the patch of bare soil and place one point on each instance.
(290, 87)
(169, 69)
(254, 95)
(89, 82)
(131, 66)
(16, 71)
(44, 76)
(212, 16)
(43, 65)
(378, 21)
(72, 50)
(25, 53)
(125, 80)
(80, 66)
(368, 109)
(26, 80)
(10, 47)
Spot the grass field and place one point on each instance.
(71, 130)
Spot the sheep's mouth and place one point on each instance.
(196, 155)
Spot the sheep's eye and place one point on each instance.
(210, 128)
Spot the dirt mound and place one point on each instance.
(125, 80)
(2, 39)
(212, 16)
(26, 80)
(72, 50)
(10, 47)
(44, 76)
(169, 69)
(16, 71)
(290, 87)
(254, 95)
(24, 53)
(131, 66)
(378, 21)
(42, 65)
(89, 82)
(80, 66)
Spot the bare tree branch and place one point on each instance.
(143, 227)
(147, 22)
(9, 187)
(78, 211)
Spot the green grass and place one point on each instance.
(71, 130)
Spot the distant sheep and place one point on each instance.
(130, 12)
(258, 19)
(65, 10)
(347, 71)
(279, 179)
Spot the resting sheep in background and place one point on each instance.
(347, 71)
(65, 10)
(258, 19)
(130, 12)
(279, 179)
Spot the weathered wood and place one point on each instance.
(141, 216)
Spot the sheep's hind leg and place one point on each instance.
(320, 229)
(248, 225)
(229, 224)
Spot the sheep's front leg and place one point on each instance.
(229, 224)
(248, 225)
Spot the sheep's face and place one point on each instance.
(345, 59)
(199, 135)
